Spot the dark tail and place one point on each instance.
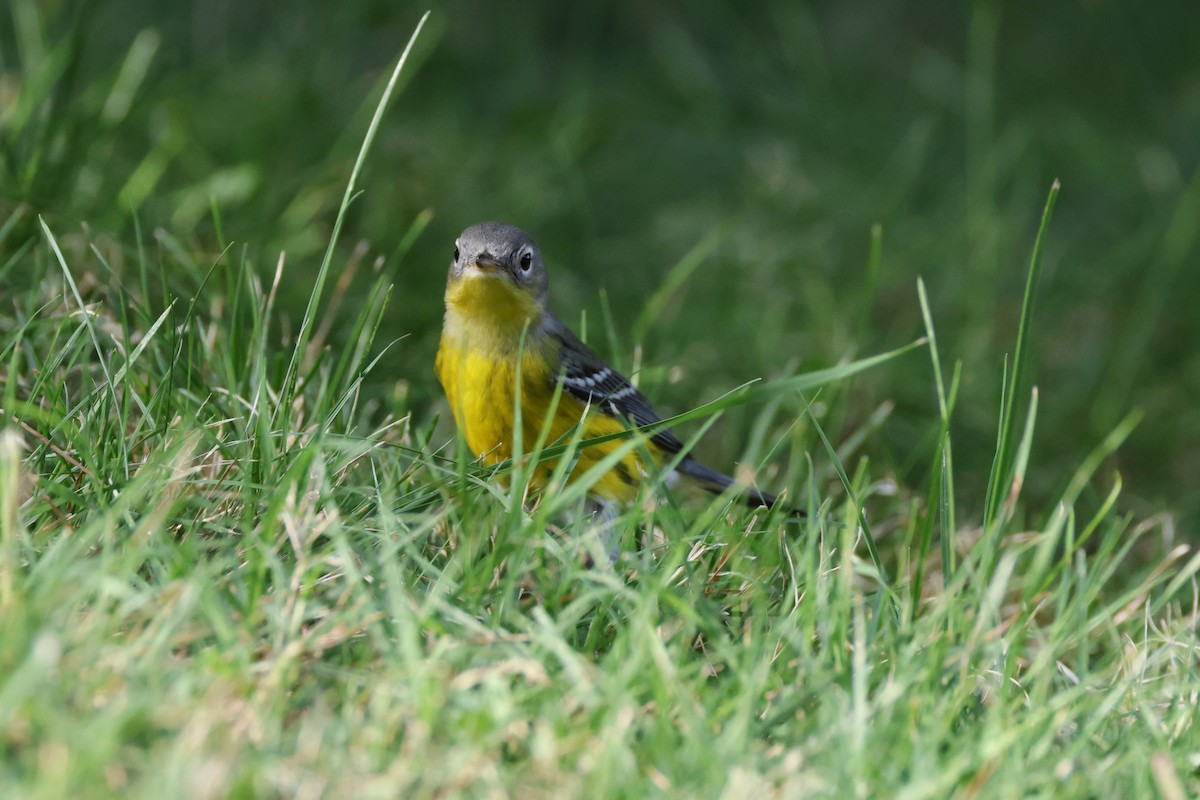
(716, 482)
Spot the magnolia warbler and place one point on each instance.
(496, 314)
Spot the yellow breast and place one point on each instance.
(486, 319)
(477, 366)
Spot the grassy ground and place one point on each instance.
(239, 557)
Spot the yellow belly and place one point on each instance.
(480, 383)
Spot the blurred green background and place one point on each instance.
(624, 135)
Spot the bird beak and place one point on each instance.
(486, 262)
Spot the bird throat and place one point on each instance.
(487, 308)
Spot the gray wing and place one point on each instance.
(588, 379)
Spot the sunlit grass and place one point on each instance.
(194, 597)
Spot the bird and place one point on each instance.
(497, 315)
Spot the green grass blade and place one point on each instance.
(748, 392)
(674, 280)
(1001, 469)
(860, 513)
(141, 346)
(83, 309)
(289, 386)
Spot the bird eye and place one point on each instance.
(456, 253)
(526, 260)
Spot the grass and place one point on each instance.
(238, 559)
